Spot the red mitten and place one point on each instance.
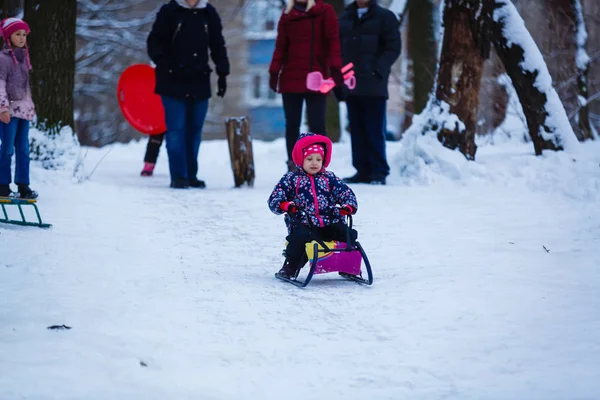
(346, 210)
(289, 207)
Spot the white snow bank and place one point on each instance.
(53, 152)
(510, 163)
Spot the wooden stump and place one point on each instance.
(240, 150)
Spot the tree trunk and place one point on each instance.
(464, 51)
(52, 45)
(493, 97)
(332, 116)
(240, 150)
(422, 47)
(407, 79)
(582, 61)
(591, 9)
(548, 124)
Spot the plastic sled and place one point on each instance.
(12, 201)
(345, 258)
(315, 81)
(141, 107)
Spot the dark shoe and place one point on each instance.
(5, 191)
(26, 193)
(197, 183)
(357, 178)
(377, 180)
(291, 166)
(179, 184)
(288, 270)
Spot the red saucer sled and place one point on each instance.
(141, 107)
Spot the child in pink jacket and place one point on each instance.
(16, 108)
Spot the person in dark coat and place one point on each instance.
(370, 38)
(307, 40)
(182, 35)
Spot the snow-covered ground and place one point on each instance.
(487, 279)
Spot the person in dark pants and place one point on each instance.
(370, 38)
(307, 40)
(182, 35)
(152, 150)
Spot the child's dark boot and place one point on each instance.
(5, 191)
(25, 192)
(289, 270)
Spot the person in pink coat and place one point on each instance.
(16, 108)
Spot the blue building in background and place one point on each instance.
(265, 106)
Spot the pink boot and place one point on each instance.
(148, 169)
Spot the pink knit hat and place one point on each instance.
(313, 149)
(10, 26)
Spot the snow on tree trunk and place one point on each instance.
(398, 7)
(547, 120)
(582, 61)
(464, 50)
(52, 44)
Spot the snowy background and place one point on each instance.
(486, 282)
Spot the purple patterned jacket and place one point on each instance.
(317, 194)
(15, 92)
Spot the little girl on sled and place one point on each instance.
(315, 191)
(16, 107)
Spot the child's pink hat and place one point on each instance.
(308, 139)
(313, 149)
(11, 25)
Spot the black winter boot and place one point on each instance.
(26, 193)
(5, 191)
(197, 183)
(179, 184)
(289, 270)
(357, 178)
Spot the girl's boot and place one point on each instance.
(5, 191)
(148, 169)
(25, 192)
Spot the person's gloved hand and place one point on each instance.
(340, 93)
(346, 210)
(273, 80)
(337, 76)
(222, 86)
(289, 207)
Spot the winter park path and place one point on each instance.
(171, 295)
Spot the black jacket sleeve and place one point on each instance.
(159, 37)
(218, 49)
(390, 42)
